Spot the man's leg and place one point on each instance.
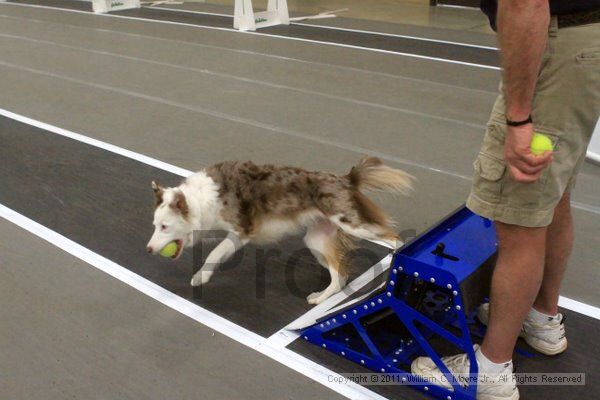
(515, 284)
(559, 239)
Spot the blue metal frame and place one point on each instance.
(468, 241)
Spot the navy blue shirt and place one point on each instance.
(557, 7)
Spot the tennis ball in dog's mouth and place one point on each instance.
(169, 250)
(540, 143)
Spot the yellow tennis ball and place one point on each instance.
(540, 143)
(169, 250)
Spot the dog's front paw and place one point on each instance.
(315, 298)
(200, 278)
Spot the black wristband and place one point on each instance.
(519, 123)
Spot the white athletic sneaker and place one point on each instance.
(548, 339)
(489, 387)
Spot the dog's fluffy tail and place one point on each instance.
(370, 174)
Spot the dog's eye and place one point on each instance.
(163, 227)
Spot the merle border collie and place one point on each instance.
(264, 203)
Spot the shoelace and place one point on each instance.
(457, 365)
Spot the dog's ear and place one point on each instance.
(158, 193)
(179, 203)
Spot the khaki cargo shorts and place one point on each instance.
(566, 107)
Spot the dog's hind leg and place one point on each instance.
(372, 231)
(358, 216)
(323, 241)
(219, 255)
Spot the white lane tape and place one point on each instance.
(578, 306)
(477, 46)
(284, 356)
(333, 14)
(348, 46)
(99, 144)
(570, 304)
(329, 14)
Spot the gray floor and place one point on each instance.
(71, 331)
(192, 96)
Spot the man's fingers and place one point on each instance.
(537, 160)
(521, 176)
(529, 169)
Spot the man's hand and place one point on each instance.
(522, 164)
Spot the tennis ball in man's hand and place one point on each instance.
(540, 144)
(169, 250)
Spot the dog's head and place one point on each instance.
(171, 220)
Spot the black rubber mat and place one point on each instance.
(104, 202)
(448, 51)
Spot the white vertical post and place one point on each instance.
(593, 152)
(245, 19)
(104, 6)
(243, 16)
(281, 8)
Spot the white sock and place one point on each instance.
(487, 366)
(540, 318)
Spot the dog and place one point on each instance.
(265, 203)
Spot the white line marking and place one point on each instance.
(240, 120)
(338, 28)
(284, 356)
(593, 157)
(286, 336)
(565, 302)
(476, 9)
(578, 306)
(249, 52)
(253, 81)
(585, 207)
(418, 56)
(477, 46)
(99, 144)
